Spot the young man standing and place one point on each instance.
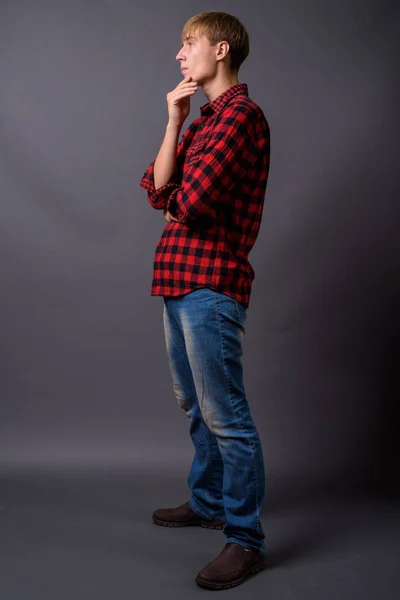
(211, 187)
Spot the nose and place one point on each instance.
(179, 55)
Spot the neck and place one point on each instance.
(214, 88)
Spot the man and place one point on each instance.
(211, 187)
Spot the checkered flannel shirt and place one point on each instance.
(216, 193)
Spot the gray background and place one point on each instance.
(85, 383)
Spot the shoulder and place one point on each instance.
(245, 110)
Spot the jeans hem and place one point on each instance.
(195, 507)
(245, 545)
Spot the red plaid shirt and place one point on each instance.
(217, 194)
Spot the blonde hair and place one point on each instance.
(218, 27)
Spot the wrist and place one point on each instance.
(174, 126)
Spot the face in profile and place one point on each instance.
(197, 57)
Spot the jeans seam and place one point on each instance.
(240, 422)
(225, 371)
(209, 456)
(239, 316)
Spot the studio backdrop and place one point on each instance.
(84, 372)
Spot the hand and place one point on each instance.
(168, 217)
(179, 100)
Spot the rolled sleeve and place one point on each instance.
(158, 198)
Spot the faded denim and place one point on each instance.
(204, 332)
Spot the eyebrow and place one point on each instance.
(190, 37)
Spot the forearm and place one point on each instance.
(165, 162)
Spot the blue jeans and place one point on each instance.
(204, 332)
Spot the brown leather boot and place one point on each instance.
(182, 516)
(231, 567)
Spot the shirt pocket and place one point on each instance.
(196, 151)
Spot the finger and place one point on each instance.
(186, 82)
(186, 78)
(187, 85)
(186, 90)
(177, 93)
(182, 94)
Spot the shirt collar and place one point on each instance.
(220, 102)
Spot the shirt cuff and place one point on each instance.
(158, 197)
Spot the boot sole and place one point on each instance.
(224, 586)
(205, 524)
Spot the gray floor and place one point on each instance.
(89, 535)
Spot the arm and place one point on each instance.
(231, 151)
(165, 163)
(165, 173)
(158, 197)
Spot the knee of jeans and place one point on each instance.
(184, 401)
(185, 404)
(212, 422)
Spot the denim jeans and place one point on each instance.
(204, 333)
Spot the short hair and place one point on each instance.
(218, 27)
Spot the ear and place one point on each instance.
(222, 49)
